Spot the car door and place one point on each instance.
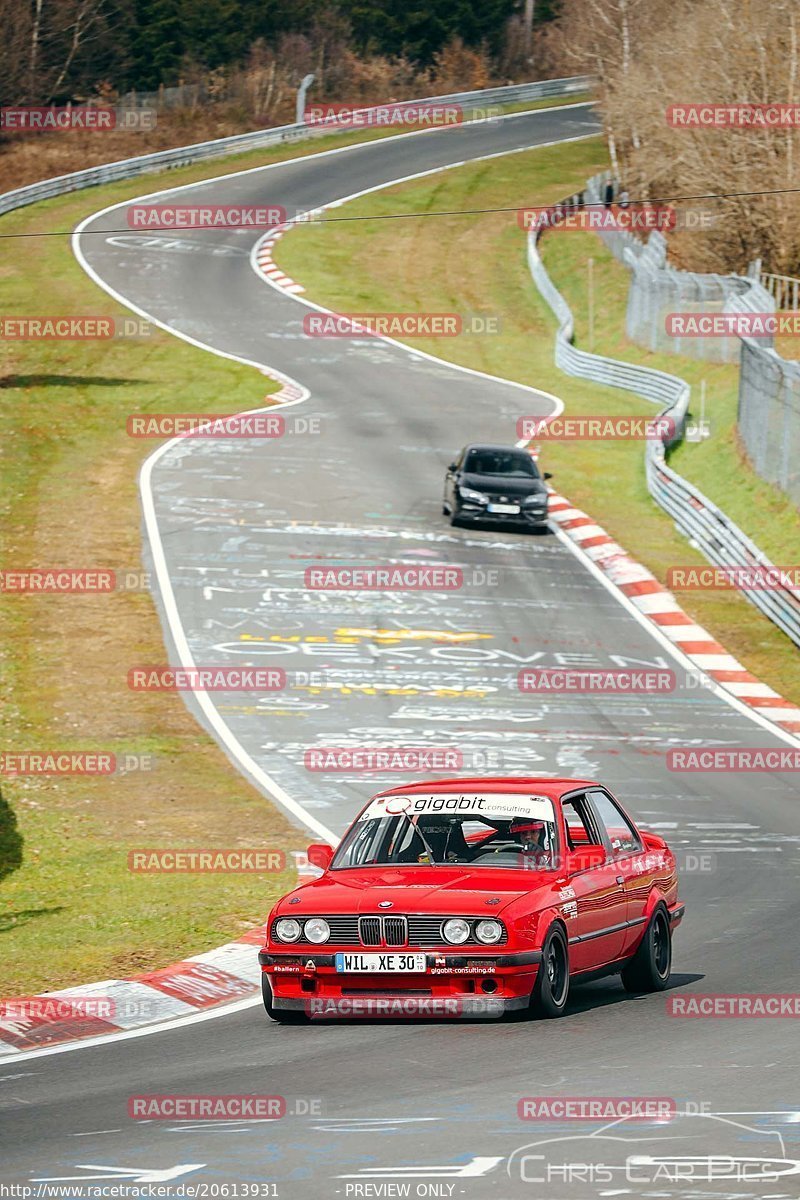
(597, 931)
(637, 868)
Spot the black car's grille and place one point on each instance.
(421, 931)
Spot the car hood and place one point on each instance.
(505, 484)
(447, 890)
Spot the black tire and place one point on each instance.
(551, 991)
(649, 969)
(283, 1016)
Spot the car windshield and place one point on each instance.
(501, 462)
(517, 832)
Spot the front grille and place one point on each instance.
(369, 929)
(422, 931)
(395, 930)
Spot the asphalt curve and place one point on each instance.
(429, 1107)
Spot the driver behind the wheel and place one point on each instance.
(445, 839)
(532, 837)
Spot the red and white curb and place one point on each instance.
(288, 393)
(264, 260)
(660, 607)
(221, 976)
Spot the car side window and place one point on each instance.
(621, 834)
(578, 820)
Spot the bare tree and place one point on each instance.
(648, 58)
(84, 16)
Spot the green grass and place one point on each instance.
(73, 912)
(717, 465)
(477, 263)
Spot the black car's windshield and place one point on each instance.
(501, 462)
(517, 832)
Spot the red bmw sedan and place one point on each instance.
(474, 897)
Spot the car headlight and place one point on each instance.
(471, 495)
(536, 499)
(317, 930)
(455, 930)
(288, 930)
(488, 931)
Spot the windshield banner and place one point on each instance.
(497, 807)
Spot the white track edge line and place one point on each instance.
(236, 749)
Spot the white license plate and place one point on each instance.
(502, 508)
(357, 964)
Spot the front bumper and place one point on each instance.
(532, 520)
(452, 985)
(399, 1005)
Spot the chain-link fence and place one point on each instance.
(769, 415)
(657, 290)
(769, 385)
(695, 515)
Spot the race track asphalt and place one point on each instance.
(239, 522)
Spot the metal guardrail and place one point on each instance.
(708, 528)
(129, 168)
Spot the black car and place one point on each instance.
(496, 483)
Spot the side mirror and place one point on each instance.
(547, 475)
(584, 859)
(453, 467)
(320, 855)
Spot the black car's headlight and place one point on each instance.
(471, 496)
(536, 500)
